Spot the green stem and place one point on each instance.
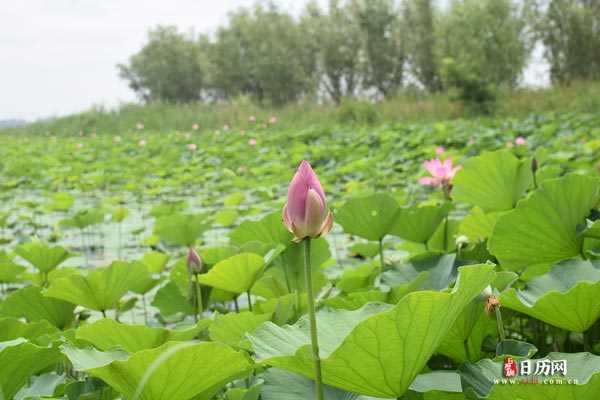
(199, 305)
(500, 323)
(145, 309)
(467, 351)
(313, 321)
(237, 306)
(381, 262)
(286, 275)
(249, 300)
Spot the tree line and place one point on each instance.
(369, 49)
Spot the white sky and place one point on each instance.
(60, 56)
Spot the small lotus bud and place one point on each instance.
(534, 165)
(194, 262)
(306, 214)
(491, 303)
(520, 141)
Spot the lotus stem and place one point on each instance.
(199, 305)
(500, 323)
(249, 300)
(381, 262)
(313, 321)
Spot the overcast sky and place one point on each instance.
(60, 56)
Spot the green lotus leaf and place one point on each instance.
(477, 225)
(438, 267)
(155, 261)
(84, 218)
(31, 304)
(235, 274)
(87, 358)
(42, 386)
(10, 272)
(371, 351)
(43, 257)
(283, 385)
(418, 223)
(181, 229)
(12, 328)
(564, 297)
(20, 360)
(107, 334)
(472, 326)
(153, 374)
(371, 217)
(269, 229)
(170, 300)
(493, 181)
(232, 328)
(100, 290)
(542, 229)
(583, 369)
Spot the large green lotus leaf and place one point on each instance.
(477, 226)
(107, 334)
(181, 229)
(494, 181)
(373, 353)
(41, 387)
(479, 380)
(543, 228)
(43, 257)
(418, 223)
(12, 328)
(370, 217)
(100, 290)
(175, 370)
(87, 358)
(31, 304)
(269, 229)
(565, 297)
(232, 328)
(472, 326)
(212, 255)
(170, 301)
(355, 300)
(235, 274)
(155, 261)
(438, 267)
(84, 218)
(19, 360)
(283, 385)
(9, 271)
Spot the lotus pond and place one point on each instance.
(156, 265)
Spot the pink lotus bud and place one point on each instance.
(252, 142)
(192, 147)
(520, 141)
(195, 127)
(306, 214)
(142, 143)
(252, 119)
(273, 120)
(440, 150)
(441, 172)
(194, 262)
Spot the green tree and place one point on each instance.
(336, 37)
(384, 44)
(421, 40)
(171, 67)
(570, 32)
(261, 53)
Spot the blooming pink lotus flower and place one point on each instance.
(306, 214)
(195, 127)
(520, 141)
(273, 120)
(142, 143)
(441, 172)
(252, 119)
(194, 262)
(252, 142)
(440, 150)
(192, 147)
